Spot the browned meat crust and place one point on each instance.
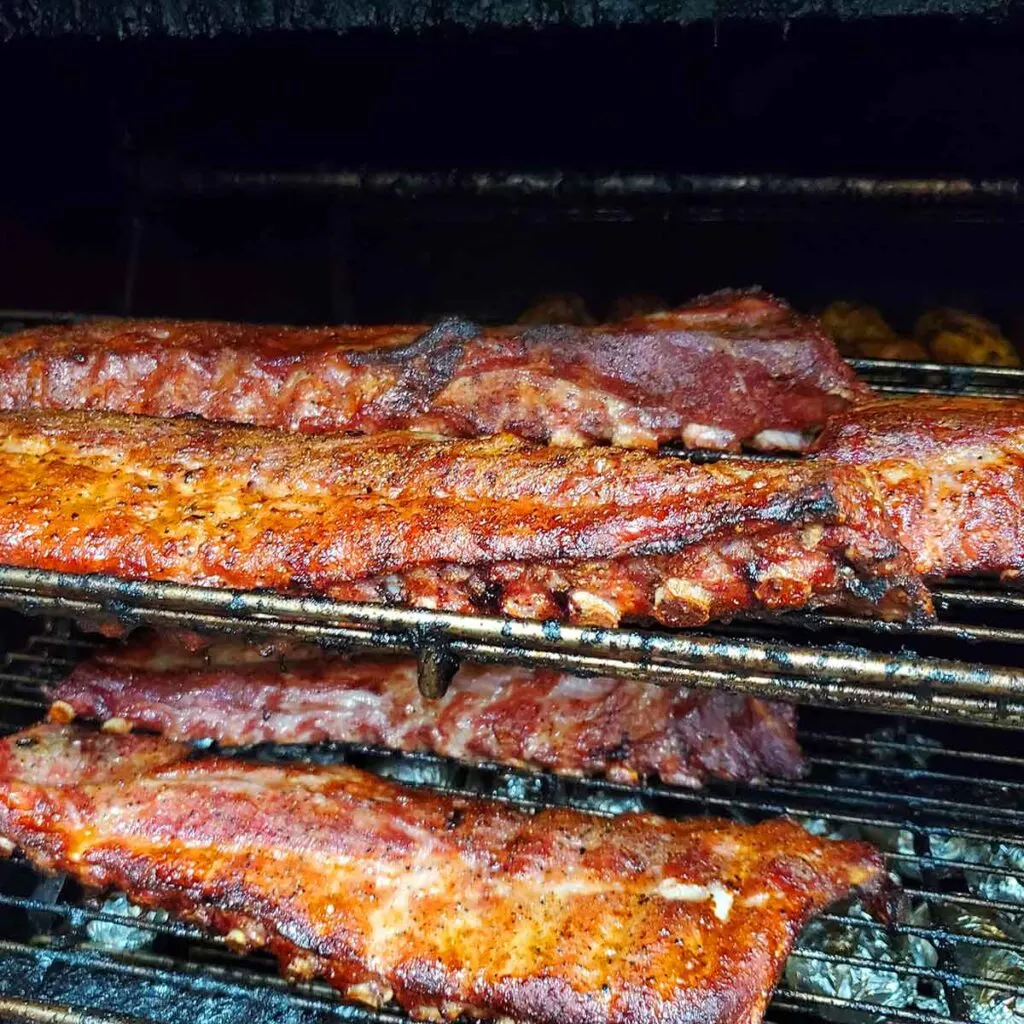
(732, 368)
(527, 718)
(443, 903)
(497, 525)
(950, 474)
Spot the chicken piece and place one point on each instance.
(904, 349)
(954, 336)
(851, 325)
(861, 331)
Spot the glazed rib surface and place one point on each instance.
(497, 525)
(732, 368)
(950, 474)
(443, 903)
(538, 719)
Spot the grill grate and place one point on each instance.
(768, 659)
(944, 802)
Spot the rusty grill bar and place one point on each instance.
(944, 803)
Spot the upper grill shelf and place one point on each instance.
(901, 377)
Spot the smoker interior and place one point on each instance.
(393, 176)
(233, 176)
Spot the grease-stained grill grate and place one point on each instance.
(944, 802)
(767, 659)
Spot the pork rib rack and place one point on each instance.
(493, 525)
(441, 903)
(728, 369)
(530, 718)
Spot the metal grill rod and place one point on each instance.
(833, 740)
(184, 605)
(808, 1002)
(938, 630)
(933, 934)
(564, 185)
(924, 700)
(961, 599)
(28, 1011)
(941, 378)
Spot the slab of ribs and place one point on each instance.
(498, 525)
(949, 473)
(727, 369)
(527, 718)
(389, 892)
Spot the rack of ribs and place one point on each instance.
(441, 903)
(728, 369)
(526, 718)
(494, 525)
(948, 471)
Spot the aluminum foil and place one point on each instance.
(890, 982)
(989, 960)
(124, 937)
(979, 977)
(1006, 885)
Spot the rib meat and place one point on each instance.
(527, 718)
(446, 904)
(950, 474)
(494, 525)
(732, 368)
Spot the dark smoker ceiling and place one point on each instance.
(195, 18)
(98, 133)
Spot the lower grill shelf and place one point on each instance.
(943, 801)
